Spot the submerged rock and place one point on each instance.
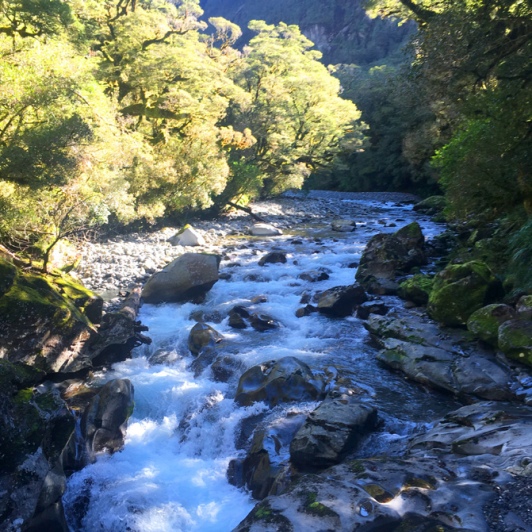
(187, 278)
(279, 381)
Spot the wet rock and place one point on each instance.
(375, 306)
(104, 422)
(307, 310)
(484, 323)
(263, 322)
(331, 431)
(343, 226)
(515, 340)
(472, 375)
(202, 336)
(461, 289)
(340, 301)
(263, 229)
(225, 367)
(274, 257)
(236, 320)
(188, 236)
(416, 289)
(267, 456)
(274, 382)
(388, 255)
(314, 276)
(164, 356)
(188, 277)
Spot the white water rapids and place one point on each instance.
(171, 474)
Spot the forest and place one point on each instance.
(136, 110)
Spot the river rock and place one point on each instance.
(188, 236)
(236, 321)
(263, 322)
(36, 432)
(484, 323)
(201, 336)
(273, 257)
(186, 278)
(313, 276)
(267, 457)
(461, 289)
(376, 306)
(331, 431)
(263, 229)
(340, 301)
(343, 226)
(431, 205)
(515, 340)
(104, 422)
(416, 289)
(388, 255)
(279, 381)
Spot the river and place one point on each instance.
(184, 431)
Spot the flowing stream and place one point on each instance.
(171, 474)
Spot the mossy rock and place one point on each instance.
(461, 289)
(416, 289)
(38, 321)
(484, 323)
(515, 340)
(432, 205)
(8, 274)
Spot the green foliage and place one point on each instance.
(519, 268)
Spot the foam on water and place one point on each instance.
(171, 474)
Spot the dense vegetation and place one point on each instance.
(131, 110)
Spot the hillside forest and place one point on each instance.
(133, 111)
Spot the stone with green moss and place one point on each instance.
(416, 289)
(461, 289)
(431, 205)
(515, 340)
(484, 323)
(39, 323)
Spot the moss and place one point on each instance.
(484, 323)
(515, 340)
(459, 290)
(378, 493)
(416, 289)
(356, 466)
(8, 274)
(312, 506)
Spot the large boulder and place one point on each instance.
(484, 323)
(388, 255)
(432, 205)
(340, 301)
(331, 431)
(186, 278)
(279, 381)
(40, 325)
(104, 421)
(461, 289)
(515, 340)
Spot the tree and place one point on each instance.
(293, 109)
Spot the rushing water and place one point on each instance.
(171, 474)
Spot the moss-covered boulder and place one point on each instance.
(484, 323)
(42, 319)
(524, 307)
(416, 289)
(432, 205)
(515, 340)
(461, 289)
